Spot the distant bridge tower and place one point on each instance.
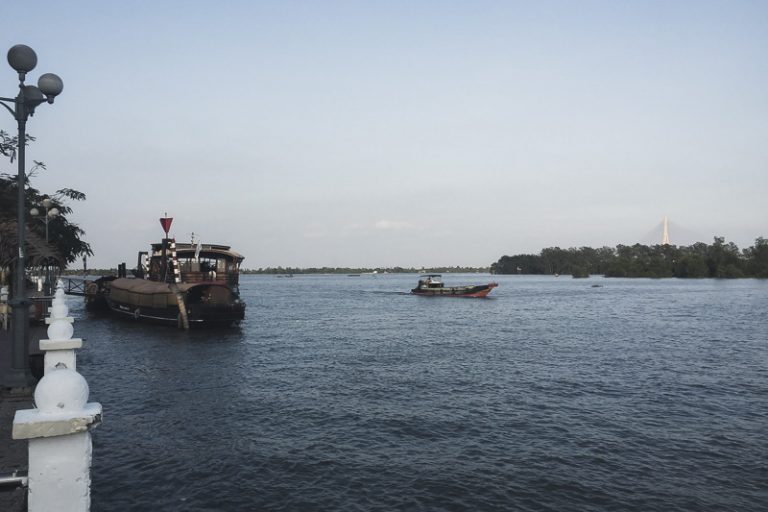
(665, 233)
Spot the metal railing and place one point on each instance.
(74, 285)
(13, 481)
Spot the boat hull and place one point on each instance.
(478, 291)
(205, 304)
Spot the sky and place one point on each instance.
(399, 133)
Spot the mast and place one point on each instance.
(166, 223)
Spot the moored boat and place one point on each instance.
(431, 285)
(181, 284)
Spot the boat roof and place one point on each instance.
(431, 275)
(206, 250)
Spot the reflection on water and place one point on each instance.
(338, 393)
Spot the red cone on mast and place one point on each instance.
(166, 223)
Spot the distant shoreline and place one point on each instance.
(321, 270)
(700, 260)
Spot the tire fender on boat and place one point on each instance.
(183, 316)
(136, 313)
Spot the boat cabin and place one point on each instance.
(431, 281)
(196, 263)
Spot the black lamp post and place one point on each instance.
(23, 59)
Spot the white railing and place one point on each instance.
(58, 430)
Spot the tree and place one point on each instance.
(555, 260)
(724, 259)
(64, 237)
(757, 258)
(691, 265)
(519, 264)
(578, 271)
(720, 259)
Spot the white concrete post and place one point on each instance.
(58, 430)
(59, 442)
(60, 347)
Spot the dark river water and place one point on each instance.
(346, 393)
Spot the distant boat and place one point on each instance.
(432, 286)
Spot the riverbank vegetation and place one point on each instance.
(719, 259)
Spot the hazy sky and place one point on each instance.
(409, 133)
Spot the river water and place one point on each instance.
(347, 393)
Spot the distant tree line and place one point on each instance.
(361, 270)
(719, 259)
(314, 270)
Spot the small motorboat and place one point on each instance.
(431, 285)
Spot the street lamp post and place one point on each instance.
(23, 59)
(50, 213)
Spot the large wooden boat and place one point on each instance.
(185, 284)
(431, 285)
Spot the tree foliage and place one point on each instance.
(64, 236)
(719, 259)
